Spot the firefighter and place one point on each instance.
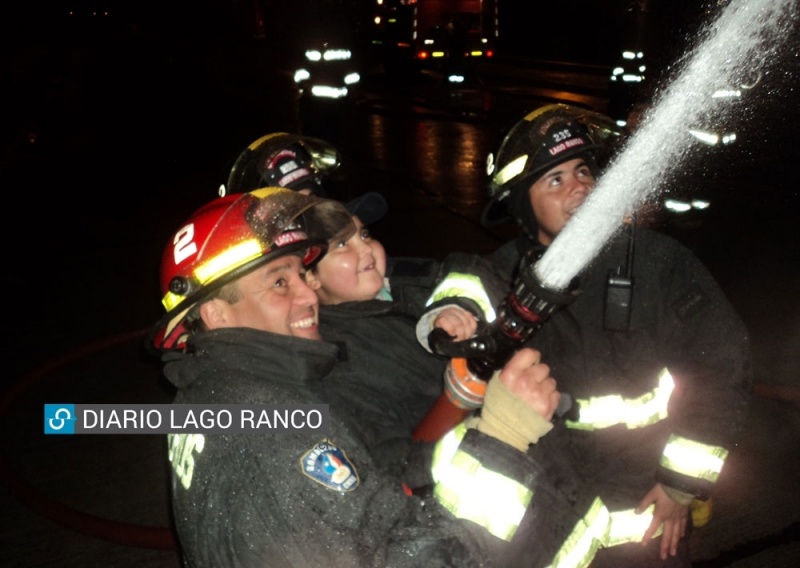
(281, 159)
(652, 352)
(241, 326)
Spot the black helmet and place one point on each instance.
(283, 160)
(543, 139)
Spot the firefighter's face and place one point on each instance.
(352, 270)
(274, 297)
(557, 194)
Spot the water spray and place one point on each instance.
(741, 41)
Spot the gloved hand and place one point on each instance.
(520, 401)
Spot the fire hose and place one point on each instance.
(474, 361)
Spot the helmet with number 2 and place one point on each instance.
(233, 235)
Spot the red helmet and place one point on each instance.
(233, 235)
(285, 160)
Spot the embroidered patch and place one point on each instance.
(327, 464)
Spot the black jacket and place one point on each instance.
(680, 320)
(390, 381)
(244, 500)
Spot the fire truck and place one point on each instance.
(436, 32)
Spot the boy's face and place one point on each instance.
(274, 297)
(557, 194)
(352, 270)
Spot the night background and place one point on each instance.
(114, 128)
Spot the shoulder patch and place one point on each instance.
(328, 465)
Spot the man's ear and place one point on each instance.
(312, 280)
(215, 314)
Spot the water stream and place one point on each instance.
(740, 42)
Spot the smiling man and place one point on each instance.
(241, 329)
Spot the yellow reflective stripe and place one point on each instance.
(627, 526)
(582, 544)
(171, 300)
(512, 169)
(601, 529)
(694, 459)
(226, 261)
(231, 258)
(445, 449)
(467, 286)
(605, 411)
(490, 499)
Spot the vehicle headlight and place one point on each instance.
(336, 55)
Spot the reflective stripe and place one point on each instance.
(228, 260)
(445, 449)
(694, 459)
(512, 169)
(585, 539)
(470, 491)
(627, 526)
(473, 492)
(224, 262)
(467, 286)
(601, 529)
(605, 411)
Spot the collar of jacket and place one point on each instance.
(351, 310)
(280, 357)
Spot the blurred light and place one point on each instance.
(377, 20)
(727, 94)
(455, 78)
(621, 123)
(677, 206)
(336, 55)
(323, 91)
(700, 204)
(631, 78)
(422, 55)
(437, 54)
(352, 78)
(705, 137)
(313, 55)
(476, 53)
(628, 55)
(301, 75)
(617, 71)
(427, 42)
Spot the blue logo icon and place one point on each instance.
(59, 418)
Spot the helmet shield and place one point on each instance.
(540, 141)
(234, 235)
(283, 160)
